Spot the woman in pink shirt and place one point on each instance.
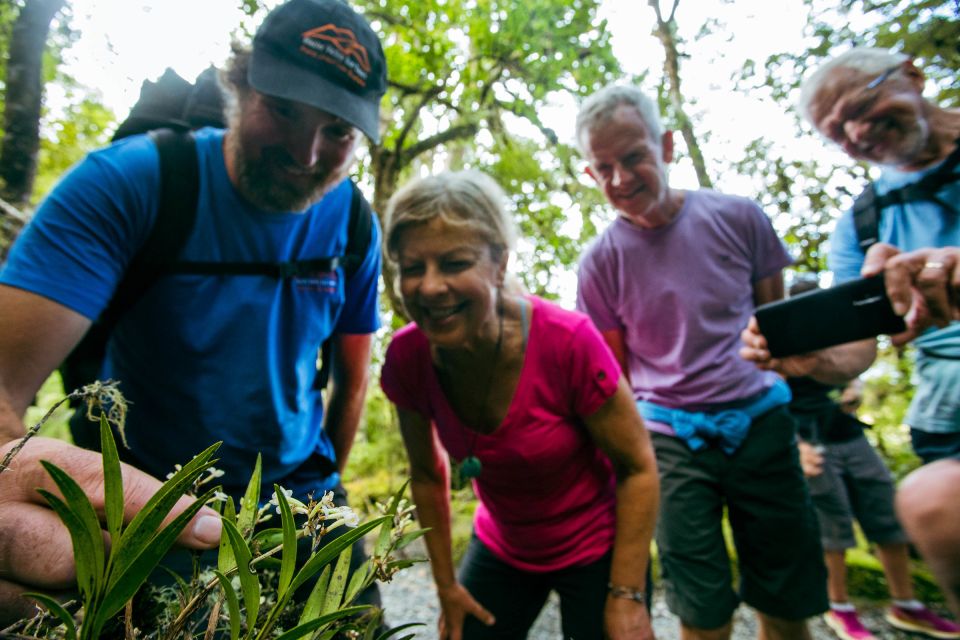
(525, 399)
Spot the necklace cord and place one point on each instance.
(493, 370)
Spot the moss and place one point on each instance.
(865, 579)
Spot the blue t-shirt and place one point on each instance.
(936, 402)
(205, 358)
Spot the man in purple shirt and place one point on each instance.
(670, 284)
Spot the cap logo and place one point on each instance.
(339, 47)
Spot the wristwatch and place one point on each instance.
(629, 593)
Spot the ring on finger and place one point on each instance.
(933, 264)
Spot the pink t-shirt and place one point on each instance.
(547, 493)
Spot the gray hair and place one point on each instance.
(462, 198)
(599, 108)
(863, 61)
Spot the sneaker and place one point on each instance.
(847, 625)
(922, 621)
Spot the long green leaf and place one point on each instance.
(338, 582)
(268, 538)
(82, 547)
(249, 584)
(142, 528)
(90, 563)
(247, 518)
(386, 533)
(332, 549)
(403, 627)
(56, 609)
(225, 560)
(409, 537)
(358, 581)
(314, 603)
(112, 482)
(309, 627)
(233, 604)
(288, 562)
(138, 569)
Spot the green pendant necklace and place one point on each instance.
(470, 467)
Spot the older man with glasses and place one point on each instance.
(870, 102)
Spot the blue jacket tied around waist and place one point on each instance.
(728, 428)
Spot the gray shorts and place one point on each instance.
(774, 528)
(854, 484)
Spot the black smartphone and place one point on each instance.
(826, 317)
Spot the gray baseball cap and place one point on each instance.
(322, 53)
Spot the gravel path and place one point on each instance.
(410, 597)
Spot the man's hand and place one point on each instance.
(36, 553)
(456, 603)
(923, 285)
(755, 350)
(625, 619)
(834, 365)
(811, 458)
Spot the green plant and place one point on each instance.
(243, 596)
(107, 581)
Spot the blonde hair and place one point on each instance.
(863, 61)
(462, 198)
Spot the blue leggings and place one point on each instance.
(516, 597)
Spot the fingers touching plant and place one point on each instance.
(250, 592)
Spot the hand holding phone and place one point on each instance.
(827, 317)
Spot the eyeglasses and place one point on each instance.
(880, 79)
(860, 103)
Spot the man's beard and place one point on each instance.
(267, 190)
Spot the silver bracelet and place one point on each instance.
(629, 593)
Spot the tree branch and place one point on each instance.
(453, 133)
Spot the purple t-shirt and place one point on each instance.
(681, 294)
(546, 493)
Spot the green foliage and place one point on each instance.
(83, 126)
(468, 82)
(886, 395)
(926, 29)
(108, 579)
(865, 579)
(378, 463)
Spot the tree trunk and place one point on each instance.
(12, 222)
(666, 33)
(24, 93)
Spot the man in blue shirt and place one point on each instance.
(870, 102)
(229, 358)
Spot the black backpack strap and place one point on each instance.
(866, 217)
(868, 206)
(278, 270)
(359, 230)
(176, 215)
(358, 233)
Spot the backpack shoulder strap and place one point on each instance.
(359, 230)
(176, 214)
(868, 206)
(866, 217)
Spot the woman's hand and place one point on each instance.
(456, 603)
(625, 619)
